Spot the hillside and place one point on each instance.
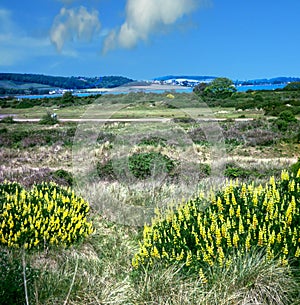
(17, 83)
(188, 79)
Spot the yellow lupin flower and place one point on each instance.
(202, 276)
(284, 176)
(235, 239)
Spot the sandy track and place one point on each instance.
(136, 120)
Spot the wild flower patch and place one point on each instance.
(207, 231)
(45, 216)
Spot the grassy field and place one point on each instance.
(136, 105)
(93, 159)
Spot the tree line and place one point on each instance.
(72, 82)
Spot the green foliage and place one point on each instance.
(292, 86)
(143, 165)
(205, 169)
(63, 176)
(25, 103)
(67, 99)
(206, 231)
(49, 119)
(258, 99)
(234, 171)
(294, 168)
(59, 82)
(11, 279)
(109, 170)
(20, 138)
(153, 141)
(287, 116)
(47, 215)
(221, 87)
(140, 165)
(200, 89)
(8, 120)
(282, 125)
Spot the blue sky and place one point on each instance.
(143, 39)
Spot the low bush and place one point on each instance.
(206, 231)
(8, 120)
(63, 177)
(45, 216)
(294, 168)
(143, 165)
(153, 141)
(140, 165)
(234, 171)
(49, 119)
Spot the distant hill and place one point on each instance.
(271, 81)
(187, 77)
(17, 83)
(188, 80)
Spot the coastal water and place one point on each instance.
(160, 91)
(259, 87)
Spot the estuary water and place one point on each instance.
(160, 91)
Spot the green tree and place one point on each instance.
(292, 86)
(220, 87)
(67, 98)
(199, 89)
(288, 116)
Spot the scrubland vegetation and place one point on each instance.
(185, 211)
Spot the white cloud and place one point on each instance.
(143, 17)
(72, 24)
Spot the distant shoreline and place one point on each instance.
(128, 88)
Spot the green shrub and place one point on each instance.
(111, 169)
(140, 165)
(234, 171)
(287, 116)
(294, 168)
(153, 141)
(8, 120)
(282, 125)
(205, 169)
(63, 176)
(143, 165)
(25, 104)
(206, 231)
(49, 119)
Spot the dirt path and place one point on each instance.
(136, 120)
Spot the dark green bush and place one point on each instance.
(287, 116)
(143, 165)
(106, 170)
(153, 141)
(24, 104)
(205, 169)
(233, 171)
(282, 125)
(49, 119)
(8, 120)
(63, 177)
(295, 167)
(140, 165)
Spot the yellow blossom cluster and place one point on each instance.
(44, 216)
(206, 230)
